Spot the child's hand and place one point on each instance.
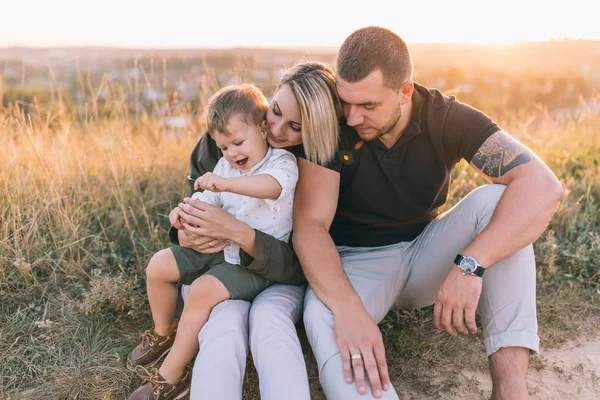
(212, 182)
(174, 218)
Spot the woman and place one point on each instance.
(303, 118)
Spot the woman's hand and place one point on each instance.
(202, 244)
(209, 221)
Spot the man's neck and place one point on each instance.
(390, 138)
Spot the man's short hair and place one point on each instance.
(371, 48)
(245, 100)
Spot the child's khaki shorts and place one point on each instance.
(241, 283)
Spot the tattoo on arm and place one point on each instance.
(499, 154)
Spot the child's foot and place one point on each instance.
(150, 348)
(157, 387)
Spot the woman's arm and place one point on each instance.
(204, 158)
(274, 260)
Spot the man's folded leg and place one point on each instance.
(377, 274)
(507, 304)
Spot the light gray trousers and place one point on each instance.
(268, 328)
(408, 274)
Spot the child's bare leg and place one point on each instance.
(205, 293)
(162, 275)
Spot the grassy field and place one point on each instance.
(84, 204)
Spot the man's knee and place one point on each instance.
(485, 196)
(482, 202)
(335, 386)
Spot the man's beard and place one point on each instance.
(388, 127)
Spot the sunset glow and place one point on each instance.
(268, 23)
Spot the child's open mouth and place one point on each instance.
(242, 162)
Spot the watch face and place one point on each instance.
(468, 265)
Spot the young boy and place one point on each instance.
(253, 182)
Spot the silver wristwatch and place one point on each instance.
(469, 266)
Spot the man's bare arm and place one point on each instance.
(356, 333)
(315, 203)
(498, 155)
(531, 197)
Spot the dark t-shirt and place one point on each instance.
(390, 195)
(333, 164)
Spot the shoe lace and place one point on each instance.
(148, 338)
(153, 378)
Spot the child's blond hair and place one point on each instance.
(245, 100)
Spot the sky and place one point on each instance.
(270, 23)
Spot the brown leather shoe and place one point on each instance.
(151, 347)
(157, 387)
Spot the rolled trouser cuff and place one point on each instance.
(493, 343)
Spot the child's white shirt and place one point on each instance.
(273, 217)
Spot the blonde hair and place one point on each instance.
(314, 87)
(245, 100)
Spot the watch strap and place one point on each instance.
(458, 259)
(479, 271)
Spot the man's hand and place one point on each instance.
(174, 218)
(212, 182)
(356, 333)
(456, 303)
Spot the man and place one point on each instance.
(368, 236)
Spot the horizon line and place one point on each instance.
(275, 47)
